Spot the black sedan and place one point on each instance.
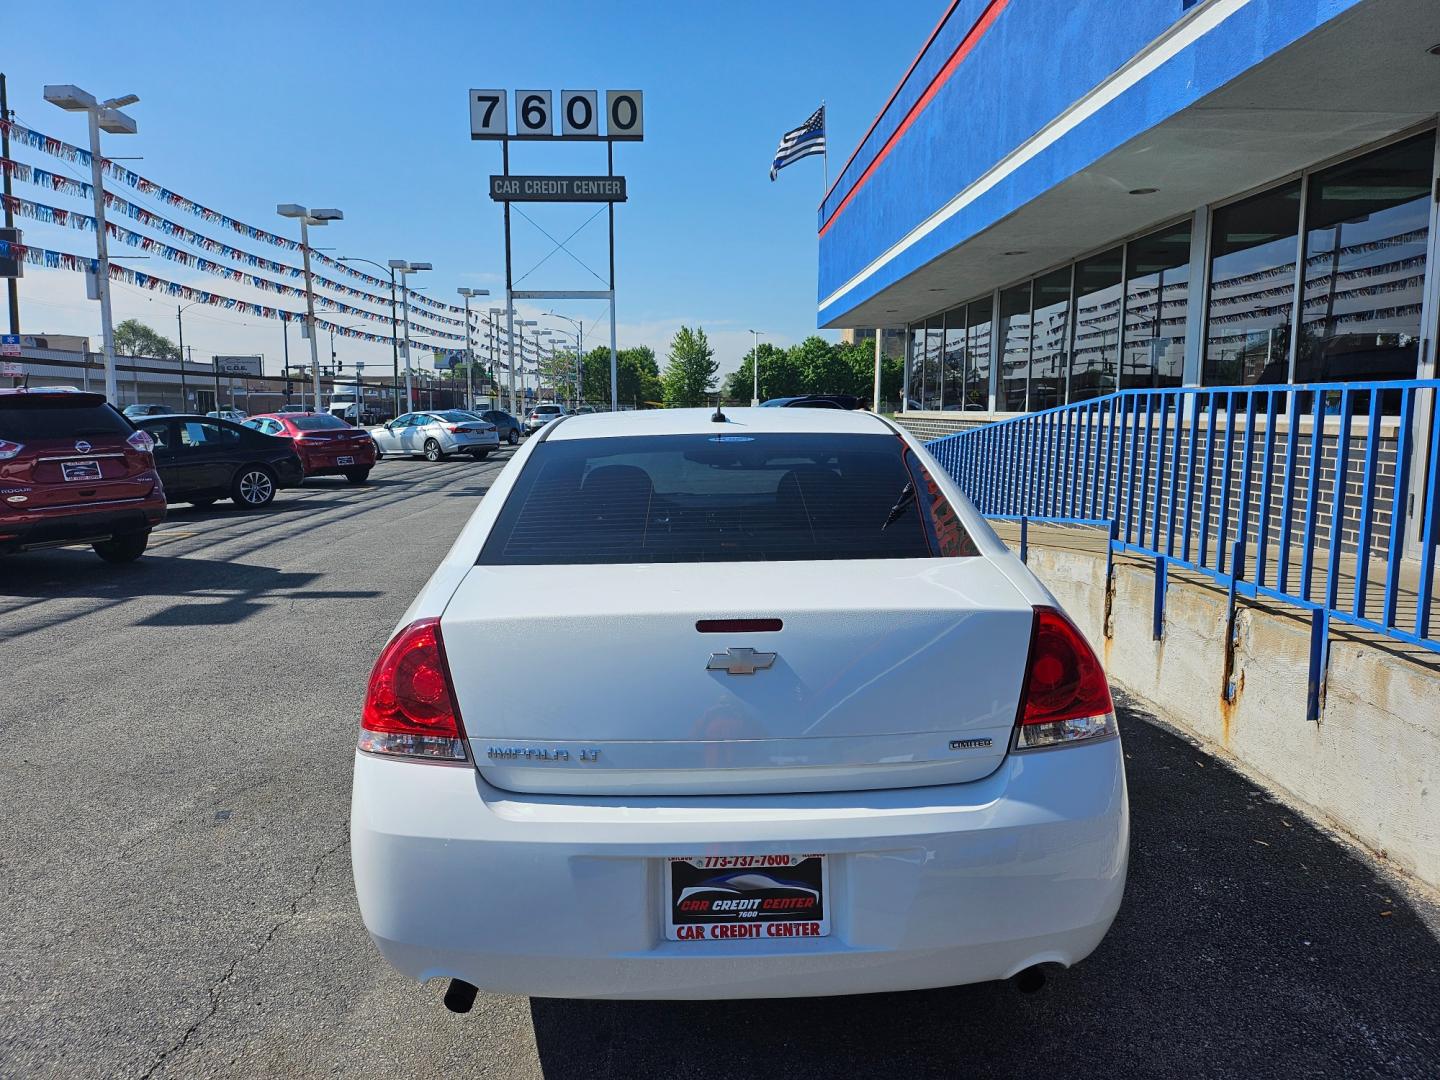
(506, 426)
(203, 458)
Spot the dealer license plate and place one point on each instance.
(80, 470)
(344, 461)
(739, 897)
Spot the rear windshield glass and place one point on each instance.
(456, 416)
(315, 423)
(56, 418)
(723, 498)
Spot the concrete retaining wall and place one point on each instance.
(1371, 766)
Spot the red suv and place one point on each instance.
(327, 445)
(73, 471)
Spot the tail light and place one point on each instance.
(140, 440)
(410, 705)
(452, 428)
(1066, 698)
(9, 449)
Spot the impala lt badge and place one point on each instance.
(740, 661)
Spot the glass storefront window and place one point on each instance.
(1367, 226)
(952, 383)
(933, 360)
(1049, 354)
(1157, 288)
(1015, 334)
(1097, 325)
(977, 365)
(1252, 288)
(915, 366)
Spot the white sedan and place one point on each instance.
(436, 435)
(813, 729)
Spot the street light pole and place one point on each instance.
(394, 326)
(106, 115)
(517, 338)
(308, 218)
(470, 352)
(405, 268)
(580, 347)
(755, 365)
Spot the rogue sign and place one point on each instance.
(557, 188)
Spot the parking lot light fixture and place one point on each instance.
(404, 269)
(101, 116)
(469, 352)
(755, 365)
(308, 218)
(394, 330)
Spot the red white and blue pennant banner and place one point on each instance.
(61, 260)
(65, 151)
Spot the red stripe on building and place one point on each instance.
(963, 50)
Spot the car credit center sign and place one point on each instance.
(557, 188)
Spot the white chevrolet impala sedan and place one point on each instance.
(805, 726)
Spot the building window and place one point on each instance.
(1157, 289)
(1096, 350)
(977, 354)
(914, 365)
(1015, 334)
(1367, 226)
(1049, 353)
(1252, 288)
(952, 384)
(930, 376)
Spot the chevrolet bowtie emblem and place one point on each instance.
(740, 661)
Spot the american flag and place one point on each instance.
(807, 139)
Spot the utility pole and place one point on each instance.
(12, 284)
(184, 394)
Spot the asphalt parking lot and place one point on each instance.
(177, 738)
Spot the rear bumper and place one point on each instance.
(327, 463)
(463, 444)
(71, 525)
(561, 896)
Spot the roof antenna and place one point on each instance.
(719, 417)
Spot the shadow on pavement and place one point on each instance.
(1250, 944)
(212, 591)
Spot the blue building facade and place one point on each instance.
(1067, 197)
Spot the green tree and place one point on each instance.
(779, 377)
(690, 372)
(557, 373)
(134, 338)
(824, 368)
(639, 376)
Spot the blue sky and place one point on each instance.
(363, 106)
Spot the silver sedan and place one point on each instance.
(436, 435)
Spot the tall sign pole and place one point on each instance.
(614, 362)
(579, 122)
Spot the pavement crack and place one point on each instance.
(217, 991)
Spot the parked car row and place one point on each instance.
(74, 469)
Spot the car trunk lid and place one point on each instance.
(596, 679)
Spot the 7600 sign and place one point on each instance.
(579, 115)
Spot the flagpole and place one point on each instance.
(825, 152)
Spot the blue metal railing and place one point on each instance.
(1279, 492)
